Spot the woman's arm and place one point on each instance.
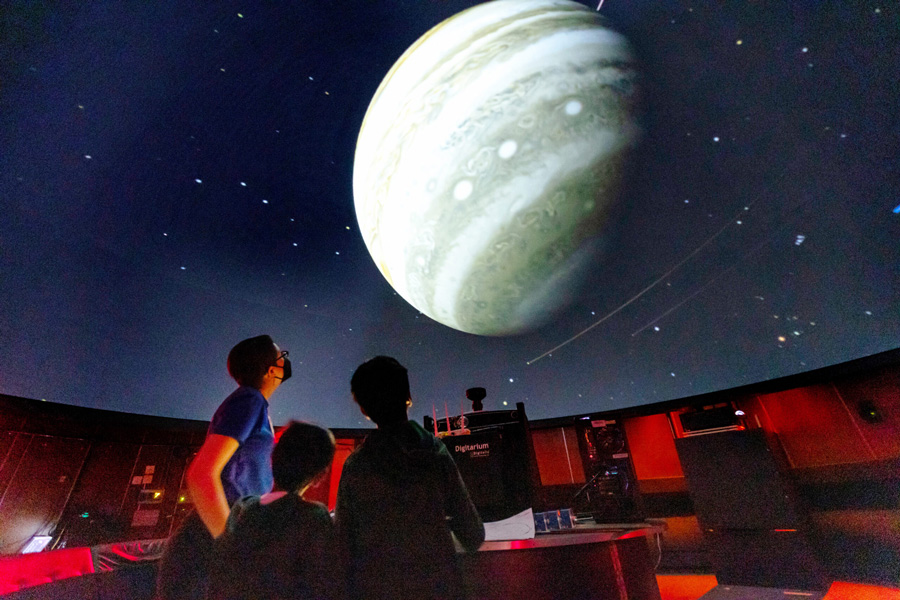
(204, 481)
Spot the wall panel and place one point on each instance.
(92, 515)
(39, 489)
(652, 447)
(146, 518)
(12, 447)
(814, 427)
(558, 456)
(882, 392)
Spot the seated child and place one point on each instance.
(400, 497)
(278, 545)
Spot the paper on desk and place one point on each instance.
(517, 527)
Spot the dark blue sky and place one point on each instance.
(175, 178)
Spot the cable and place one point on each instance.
(659, 548)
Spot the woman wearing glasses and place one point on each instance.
(233, 462)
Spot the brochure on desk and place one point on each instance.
(516, 527)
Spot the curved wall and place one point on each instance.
(86, 476)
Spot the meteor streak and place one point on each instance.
(646, 289)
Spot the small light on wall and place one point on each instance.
(869, 412)
(739, 413)
(150, 496)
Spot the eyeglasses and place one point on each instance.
(284, 354)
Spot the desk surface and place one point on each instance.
(580, 534)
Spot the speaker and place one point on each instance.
(765, 558)
(752, 522)
(735, 481)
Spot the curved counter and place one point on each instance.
(611, 562)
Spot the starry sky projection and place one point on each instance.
(175, 177)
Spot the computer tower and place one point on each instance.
(610, 494)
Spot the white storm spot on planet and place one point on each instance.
(463, 189)
(573, 107)
(507, 149)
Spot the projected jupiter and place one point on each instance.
(489, 159)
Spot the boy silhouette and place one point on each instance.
(278, 545)
(400, 497)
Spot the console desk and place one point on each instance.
(598, 562)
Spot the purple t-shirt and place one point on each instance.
(244, 416)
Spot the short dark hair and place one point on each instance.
(250, 359)
(303, 451)
(381, 388)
